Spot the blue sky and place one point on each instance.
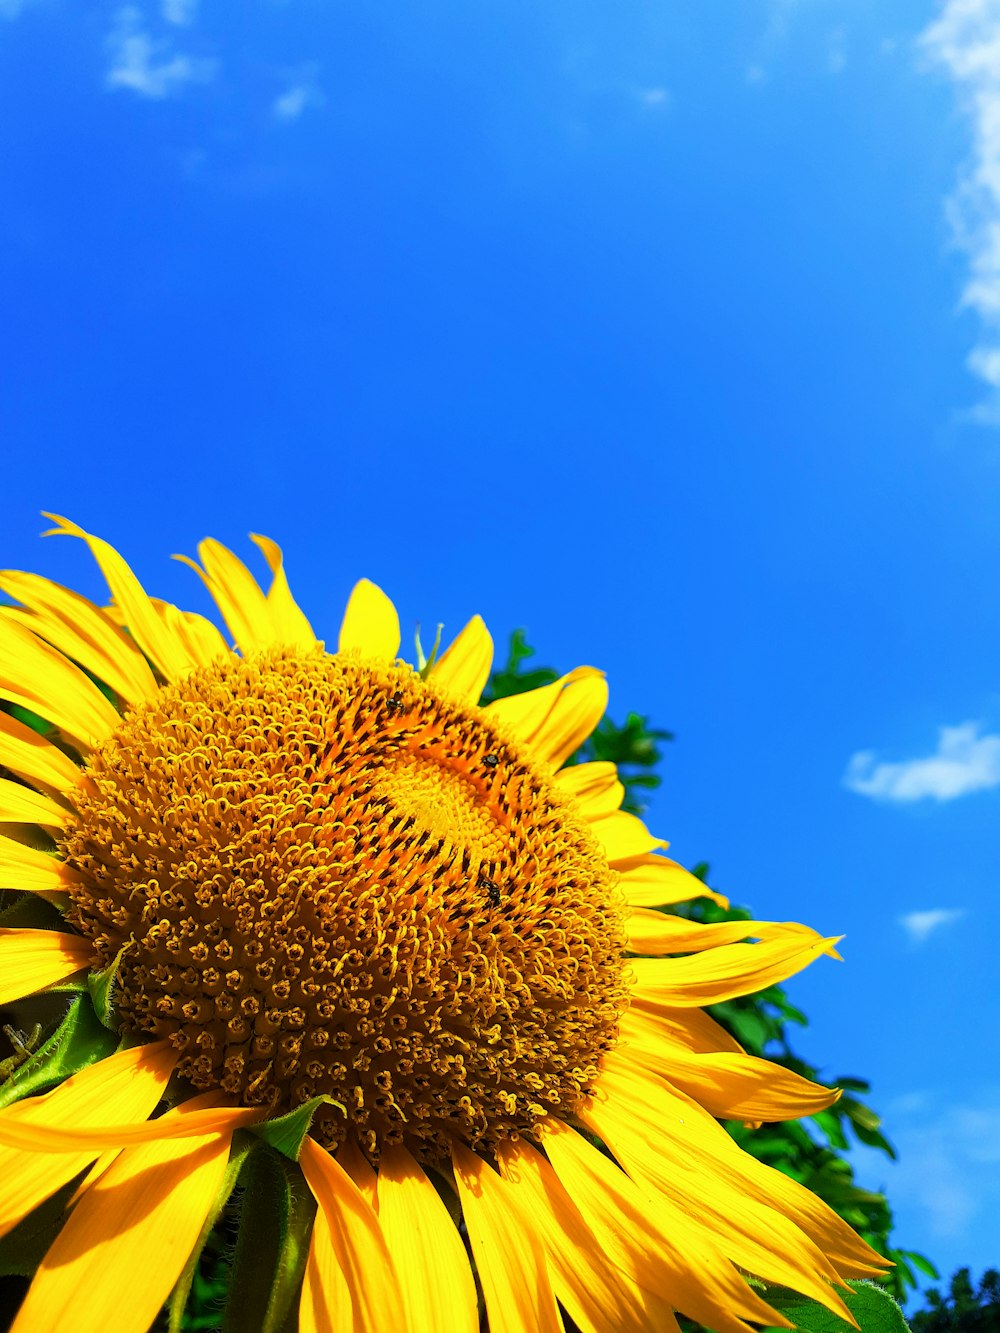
(670, 331)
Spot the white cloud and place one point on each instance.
(150, 68)
(965, 762)
(303, 92)
(965, 41)
(949, 1160)
(291, 104)
(179, 12)
(654, 97)
(836, 53)
(920, 925)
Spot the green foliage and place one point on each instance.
(873, 1309)
(964, 1308)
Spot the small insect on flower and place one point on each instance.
(492, 890)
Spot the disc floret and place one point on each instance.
(330, 877)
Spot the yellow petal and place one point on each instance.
(427, 1251)
(370, 625)
(22, 805)
(28, 1134)
(528, 713)
(510, 1262)
(658, 933)
(235, 592)
(357, 1166)
(598, 1296)
(847, 1252)
(595, 786)
(464, 668)
(39, 678)
(691, 1028)
(722, 974)
(77, 628)
(350, 1284)
(30, 960)
(31, 871)
(200, 639)
(34, 758)
(674, 1270)
(289, 622)
(667, 1142)
(622, 836)
(146, 627)
(731, 1086)
(97, 1170)
(128, 1084)
(125, 1243)
(656, 881)
(573, 716)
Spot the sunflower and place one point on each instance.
(327, 905)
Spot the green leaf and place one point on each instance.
(829, 1122)
(287, 1132)
(80, 1040)
(871, 1305)
(275, 1225)
(920, 1261)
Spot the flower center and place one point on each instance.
(328, 876)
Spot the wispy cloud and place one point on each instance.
(965, 41)
(654, 97)
(921, 925)
(836, 52)
(949, 1159)
(179, 12)
(964, 762)
(302, 92)
(151, 68)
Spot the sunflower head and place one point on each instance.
(334, 890)
(324, 875)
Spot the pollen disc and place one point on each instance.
(324, 875)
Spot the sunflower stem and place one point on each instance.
(275, 1227)
(242, 1145)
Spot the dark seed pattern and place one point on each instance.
(331, 877)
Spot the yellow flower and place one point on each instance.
(332, 881)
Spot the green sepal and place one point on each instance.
(241, 1148)
(424, 664)
(30, 912)
(79, 1040)
(272, 1248)
(871, 1305)
(24, 1247)
(287, 1132)
(101, 985)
